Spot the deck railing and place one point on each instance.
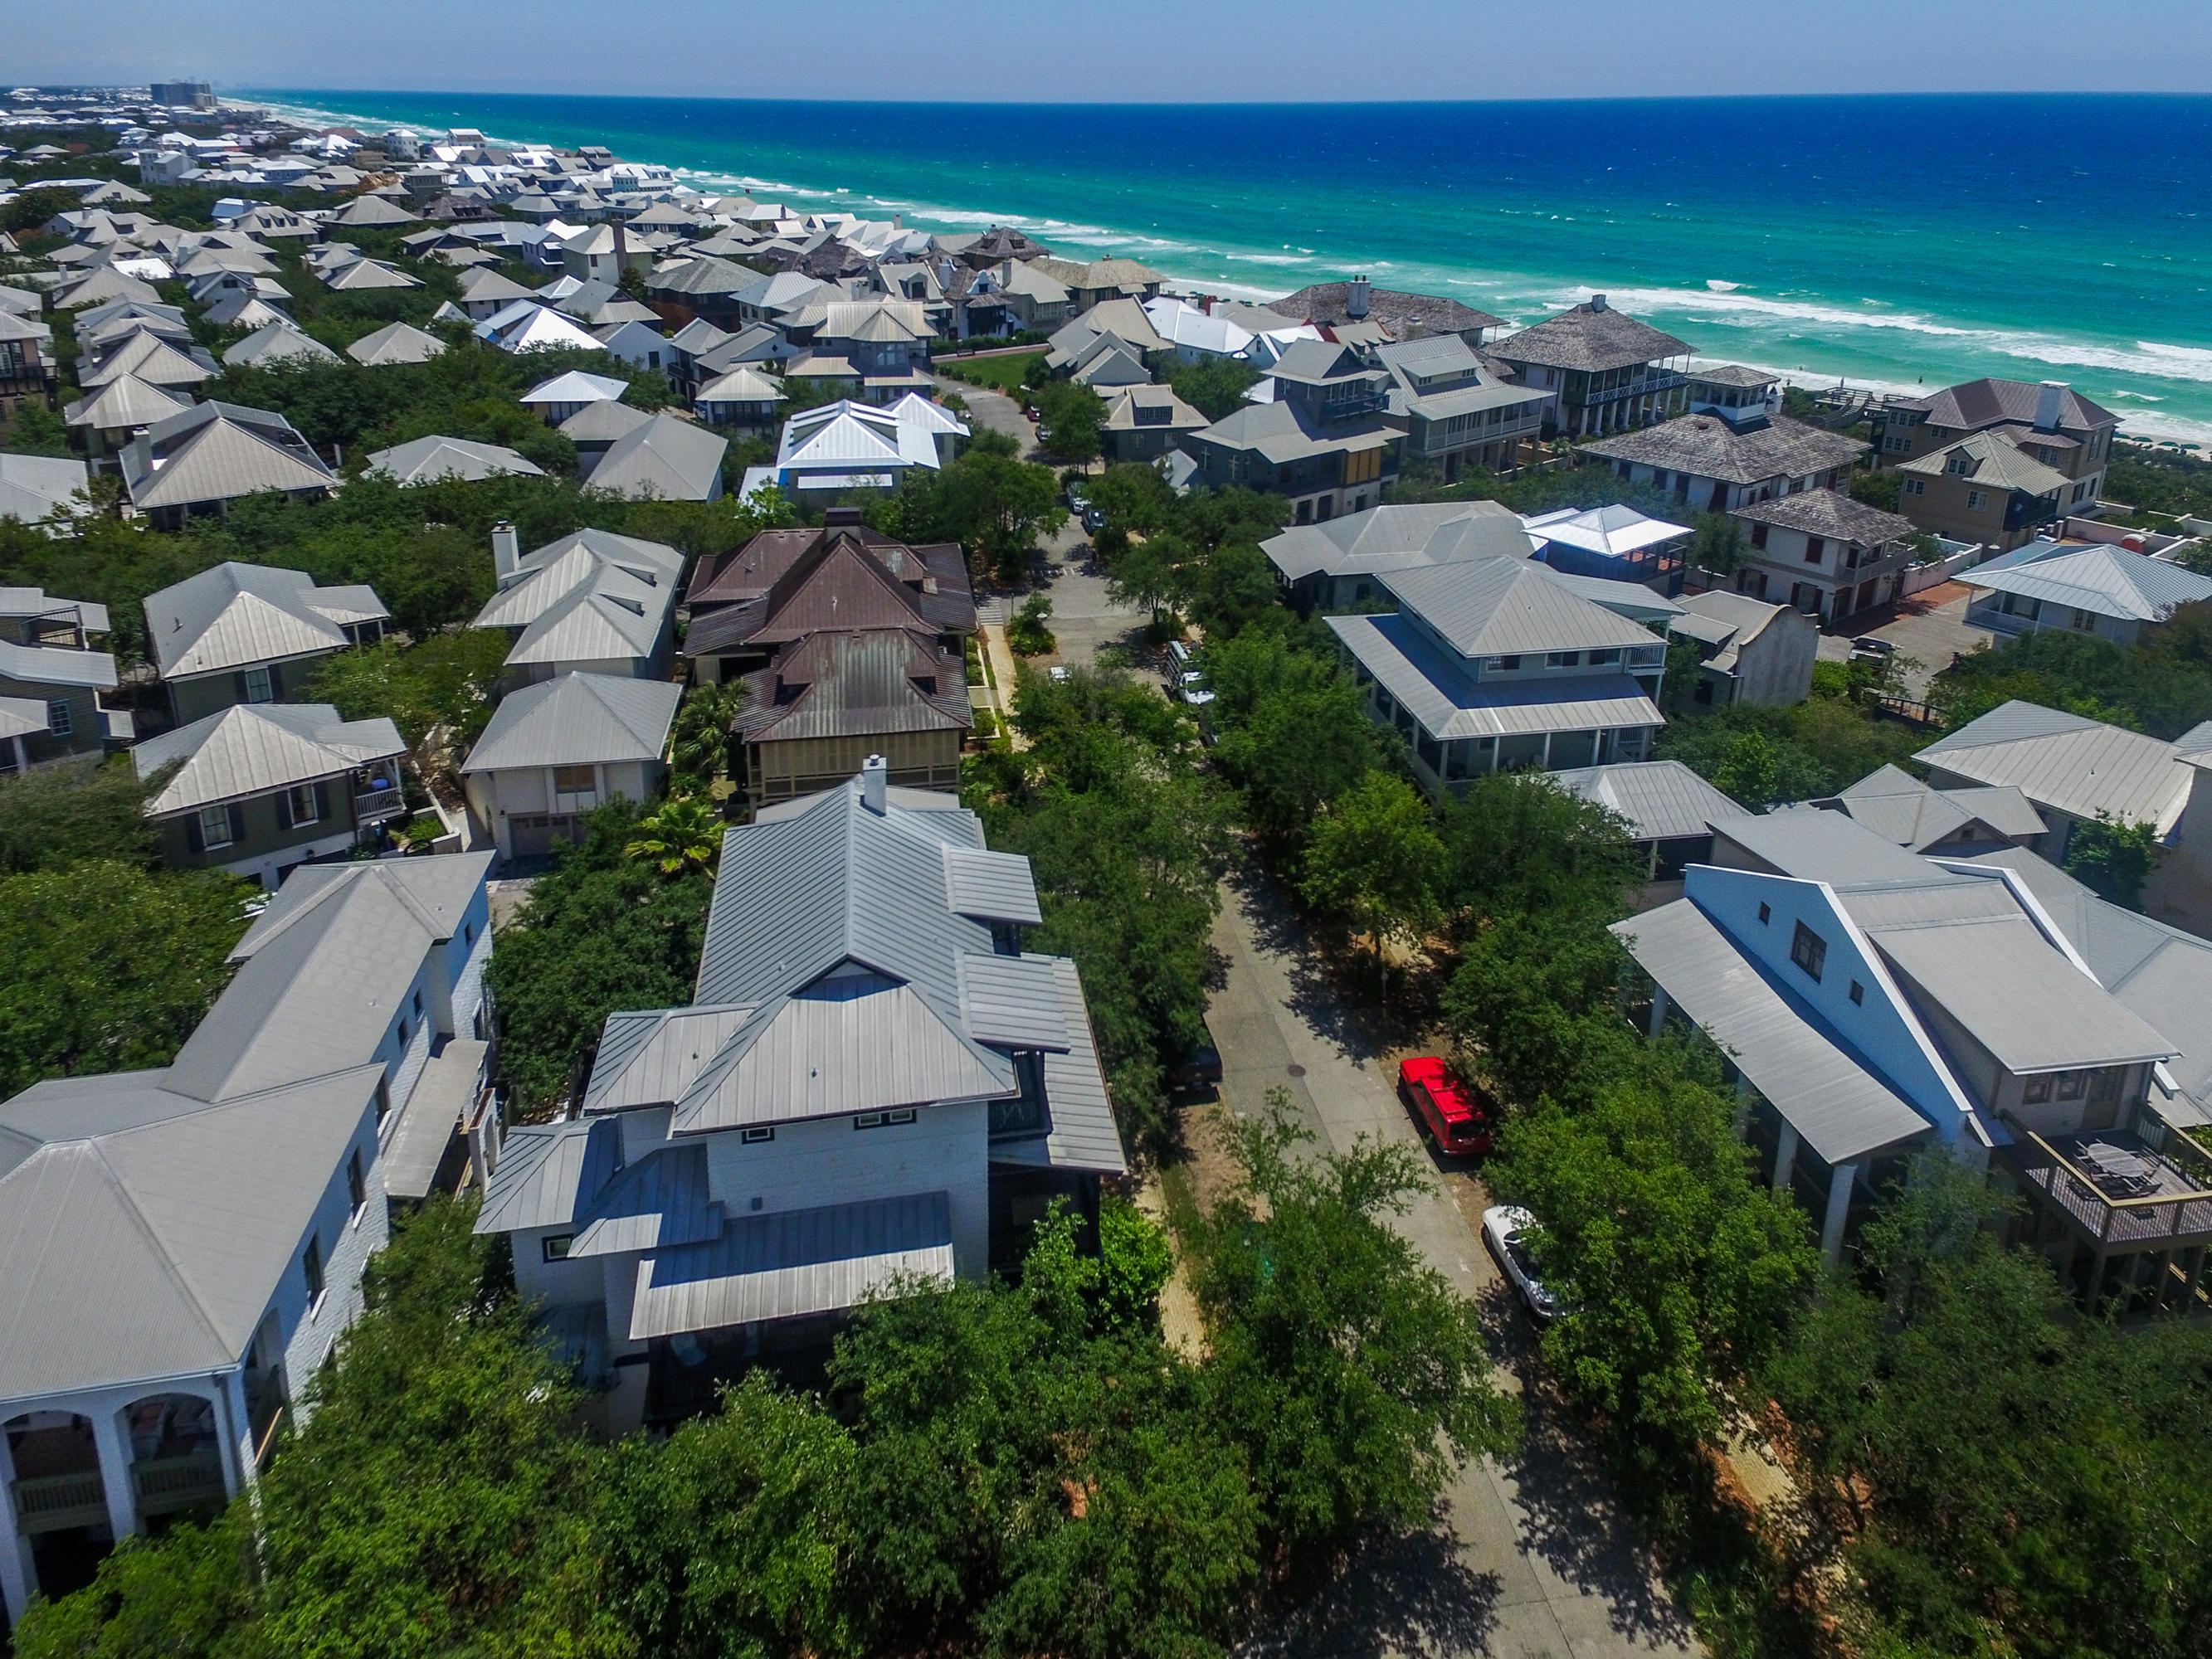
(53, 1503)
(2168, 1218)
(190, 1481)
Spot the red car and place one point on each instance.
(1451, 1113)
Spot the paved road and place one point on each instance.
(1930, 628)
(1532, 1558)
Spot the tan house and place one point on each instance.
(1981, 488)
(2050, 423)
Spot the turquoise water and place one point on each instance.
(1892, 242)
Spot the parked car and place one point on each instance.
(1197, 1067)
(1870, 644)
(1192, 690)
(1503, 1230)
(1094, 519)
(1077, 500)
(1451, 1113)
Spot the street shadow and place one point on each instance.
(1343, 1014)
(1396, 1593)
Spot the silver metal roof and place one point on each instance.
(459, 458)
(1487, 607)
(990, 886)
(1816, 845)
(395, 343)
(1662, 800)
(221, 460)
(1841, 1110)
(669, 458)
(237, 616)
(1899, 807)
(795, 1262)
(1397, 538)
(254, 748)
(49, 665)
(649, 1056)
(547, 1173)
(2075, 765)
(660, 1201)
(434, 1113)
(1084, 1134)
(1013, 1001)
(2106, 581)
(1450, 703)
(577, 719)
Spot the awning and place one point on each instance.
(794, 1263)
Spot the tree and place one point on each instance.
(1355, 1379)
(1027, 633)
(682, 835)
(600, 932)
(1518, 845)
(1720, 547)
(1373, 860)
(1214, 387)
(1075, 414)
(2113, 857)
(699, 745)
(448, 682)
(1293, 731)
(108, 967)
(1878, 487)
(52, 816)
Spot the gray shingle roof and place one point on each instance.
(1988, 461)
(577, 719)
(1587, 338)
(1832, 513)
(1706, 446)
(1986, 402)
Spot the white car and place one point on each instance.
(1059, 673)
(1191, 688)
(1502, 1229)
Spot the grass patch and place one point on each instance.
(1000, 373)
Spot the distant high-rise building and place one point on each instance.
(183, 94)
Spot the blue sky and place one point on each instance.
(1081, 51)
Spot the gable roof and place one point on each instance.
(2108, 581)
(1898, 807)
(256, 748)
(2069, 762)
(1591, 336)
(577, 719)
(435, 457)
(589, 596)
(216, 451)
(234, 615)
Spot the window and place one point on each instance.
(1809, 951)
(1915, 487)
(1563, 659)
(468, 932)
(418, 1005)
(1816, 548)
(383, 1100)
(356, 1185)
(1600, 658)
(1896, 445)
(756, 1134)
(59, 720)
(1765, 913)
(311, 1263)
(215, 827)
(300, 800)
(2069, 1085)
(2085, 621)
(882, 1120)
(1958, 466)
(1505, 665)
(2080, 491)
(1858, 993)
(556, 1249)
(575, 789)
(2105, 1085)
(1975, 499)
(2034, 1090)
(257, 689)
(1759, 535)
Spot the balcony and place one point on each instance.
(2112, 1192)
(373, 806)
(174, 1485)
(55, 1503)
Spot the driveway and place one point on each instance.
(1532, 1557)
(1930, 627)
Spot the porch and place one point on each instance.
(2122, 1222)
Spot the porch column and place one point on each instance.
(14, 1578)
(1785, 1158)
(114, 1472)
(1839, 1207)
(238, 1469)
(23, 756)
(1658, 1012)
(1547, 751)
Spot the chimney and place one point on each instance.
(1597, 302)
(1355, 298)
(506, 550)
(2048, 405)
(835, 517)
(621, 249)
(875, 784)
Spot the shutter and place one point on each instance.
(284, 810)
(238, 684)
(237, 822)
(323, 801)
(192, 837)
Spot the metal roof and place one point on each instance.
(574, 387)
(603, 421)
(236, 616)
(255, 749)
(660, 1199)
(650, 1056)
(1816, 845)
(217, 461)
(1488, 607)
(990, 886)
(1900, 808)
(2070, 763)
(1842, 1109)
(424, 458)
(795, 1262)
(1436, 687)
(1613, 533)
(1662, 800)
(624, 588)
(668, 458)
(142, 1233)
(1397, 538)
(2107, 581)
(1084, 1134)
(396, 343)
(577, 719)
(1013, 1001)
(47, 665)
(125, 401)
(1987, 459)
(434, 1111)
(280, 342)
(547, 1173)
(2000, 979)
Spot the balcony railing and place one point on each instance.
(170, 1486)
(370, 804)
(2116, 1193)
(54, 1503)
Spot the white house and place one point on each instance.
(557, 750)
(186, 1243)
(592, 602)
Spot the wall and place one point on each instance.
(1774, 668)
(918, 760)
(87, 730)
(267, 845)
(347, 1243)
(2179, 890)
(194, 696)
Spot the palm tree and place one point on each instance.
(683, 834)
(700, 749)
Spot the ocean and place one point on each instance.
(1893, 242)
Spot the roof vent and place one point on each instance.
(1597, 302)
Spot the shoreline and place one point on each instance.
(1709, 316)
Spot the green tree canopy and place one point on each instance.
(1374, 858)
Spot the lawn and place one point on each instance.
(1000, 373)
